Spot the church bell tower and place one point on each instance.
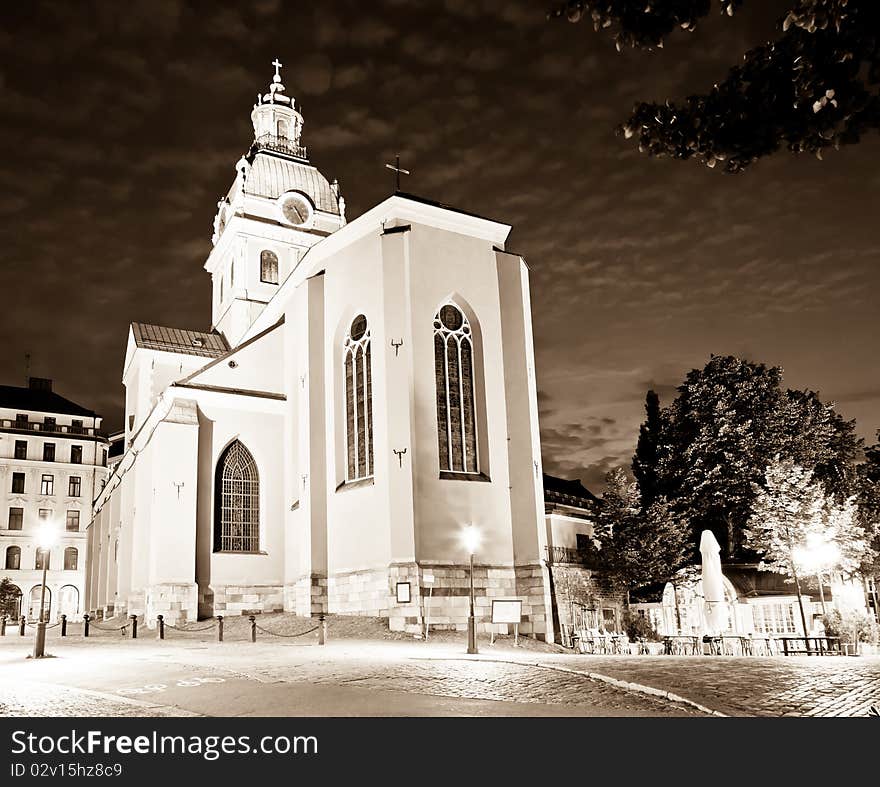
(278, 207)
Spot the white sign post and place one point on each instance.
(504, 612)
(428, 579)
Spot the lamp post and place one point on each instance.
(45, 540)
(471, 539)
(817, 555)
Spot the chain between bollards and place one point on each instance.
(160, 629)
(253, 621)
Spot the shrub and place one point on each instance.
(844, 625)
(638, 626)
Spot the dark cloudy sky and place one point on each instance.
(122, 121)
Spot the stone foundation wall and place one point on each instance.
(177, 603)
(244, 599)
(307, 596)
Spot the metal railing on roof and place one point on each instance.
(48, 427)
(280, 145)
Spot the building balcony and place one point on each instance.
(280, 145)
(42, 427)
(557, 556)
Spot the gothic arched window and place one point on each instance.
(268, 267)
(237, 501)
(454, 374)
(13, 558)
(358, 400)
(71, 559)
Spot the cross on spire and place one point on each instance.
(397, 172)
(278, 66)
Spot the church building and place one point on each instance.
(366, 392)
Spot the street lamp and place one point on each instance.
(817, 554)
(470, 537)
(45, 539)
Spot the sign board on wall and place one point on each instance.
(403, 593)
(506, 610)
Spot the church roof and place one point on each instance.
(178, 340)
(271, 176)
(40, 401)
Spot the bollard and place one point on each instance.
(219, 628)
(253, 621)
(64, 625)
(160, 632)
(322, 630)
(86, 624)
(21, 624)
(134, 626)
(3, 626)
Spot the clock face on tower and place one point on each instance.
(296, 209)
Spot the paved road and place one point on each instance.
(779, 686)
(342, 679)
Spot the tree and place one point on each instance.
(644, 463)
(640, 546)
(868, 499)
(813, 88)
(728, 422)
(791, 515)
(9, 598)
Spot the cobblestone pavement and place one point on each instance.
(779, 686)
(353, 678)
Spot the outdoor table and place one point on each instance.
(813, 646)
(682, 645)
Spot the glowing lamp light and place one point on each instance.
(470, 537)
(816, 554)
(46, 536)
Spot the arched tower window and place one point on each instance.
(237, 501)
(71, 559)
(454, 375)
(13, 558)
(282, 128)
(268, 267)
(358, 400)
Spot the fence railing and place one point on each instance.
(279, 144)
(49, 428)
(569, 556)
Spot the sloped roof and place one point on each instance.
(561, 491)
(179, 340)
(271, 176)
(41, 401)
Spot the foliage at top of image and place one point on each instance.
(813, 88)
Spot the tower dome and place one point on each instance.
(277, 123)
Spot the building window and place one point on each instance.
(269, 267)
(454, 375)
(13, 558)
(282, 129)
(774, 618)
(71, 558)
(21, 421)
(358, 400)
(237, 501)
(47, 485)
(75, 486)
(18, 483)
(72, 521)
(76, 426)
(16, 518)
(41, 556)
(48, 424)
(104, 457)
(44, 514)
(76, 454)
(21, 449)
(48, 452)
